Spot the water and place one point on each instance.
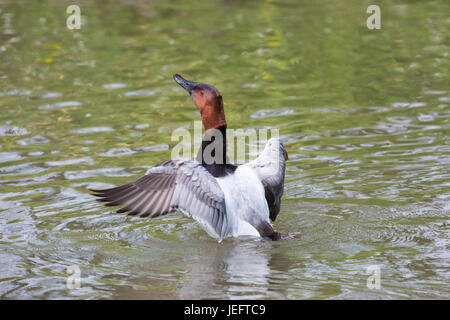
(364, 115)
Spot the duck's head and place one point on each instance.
(208, 101)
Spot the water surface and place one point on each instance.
(364, 115)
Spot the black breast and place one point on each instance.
(213, 154)
(220, 170)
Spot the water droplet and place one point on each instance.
(33, 140)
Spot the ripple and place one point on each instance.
(106, 172)
(60, 105)
(399, 125)
(92, 130)
(33, 140)
(115, 85)
(250, 85)
(94, 185)
(408, 104)
(7, 195)
(158, 147)
(290, 138)
(24, 168)
(68, 162)
(13, 131)
(35, 153)
(435, 92)
(140, 93)
(164, 129)
(142, 126)
(400, 119)
(117, 152)
(410, 151)
(67, 200)
(409, 233)
(335, 110)
(10, 156)
(51, 95)
(425, 117)
(33, 180)
(16, 92)
(88, 141)
(272, 113)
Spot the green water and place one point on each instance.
(364, 115)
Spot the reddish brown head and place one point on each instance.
(208, 101)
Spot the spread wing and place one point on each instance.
(172, 185)
(270, 167)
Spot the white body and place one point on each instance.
(244, 194)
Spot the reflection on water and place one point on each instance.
(363, 114)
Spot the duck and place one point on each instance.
(226, 200)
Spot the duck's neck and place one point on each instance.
(213, 152)
(214, 147)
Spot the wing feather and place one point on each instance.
(270, 167)
(171, 185)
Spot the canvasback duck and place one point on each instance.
(226, 200)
